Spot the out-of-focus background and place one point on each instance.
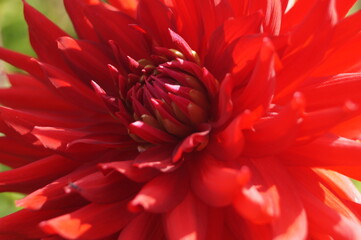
(14, 36)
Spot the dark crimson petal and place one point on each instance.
(81, 23)
(98, 188)
(189, 25)
(158, 157)
(151, 228)
(128, 169)
(36, 174)
(30, 119)
(94, 221)
(182, 45)
(89, 61)
(27, 92)
(116, 26)
(156, 18)
(43, 35)
(24, 224)
(71, 89)
(194, 142)
(53, 195)
(150, 133)
(21, 149)
(21, 61)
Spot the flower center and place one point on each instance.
(166, 97)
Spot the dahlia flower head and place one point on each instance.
(185, 119)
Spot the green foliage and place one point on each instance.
(7, 200)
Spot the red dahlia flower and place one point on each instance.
(180, 119)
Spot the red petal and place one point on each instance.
(182, 45)
(113, 25)
(275, 133)
(88, 223)
(273, 14)
(255, 206)
(27, 92)
(196, 141)
(192, 214)
(316, 123)
(150, 133)
(327, 216)
(71, 89)
(128, 6)
(158, 157)
(82, 25)
(24, 224)
(340, 184)
(229, 142)
(336, 89)
(43, 35)
(331, 151)
(260, 88)
(216, 183)
(349, 52)
(157, 19)
(242, 228)
(343, 7)
(130, 171)
(290, 222)
(98, 188)
(189, 25)
(21, 61)
(224, 37)
(53, 195)
(162, 193)
(150, 225)
(36, 174)
(89, 61)
(21, 149)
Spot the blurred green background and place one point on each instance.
(13, 35)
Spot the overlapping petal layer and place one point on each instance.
(175, 119)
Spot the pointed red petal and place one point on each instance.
(162, 193)
(32, 176)
(88, 223)
(43, 35)
(82, 25)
